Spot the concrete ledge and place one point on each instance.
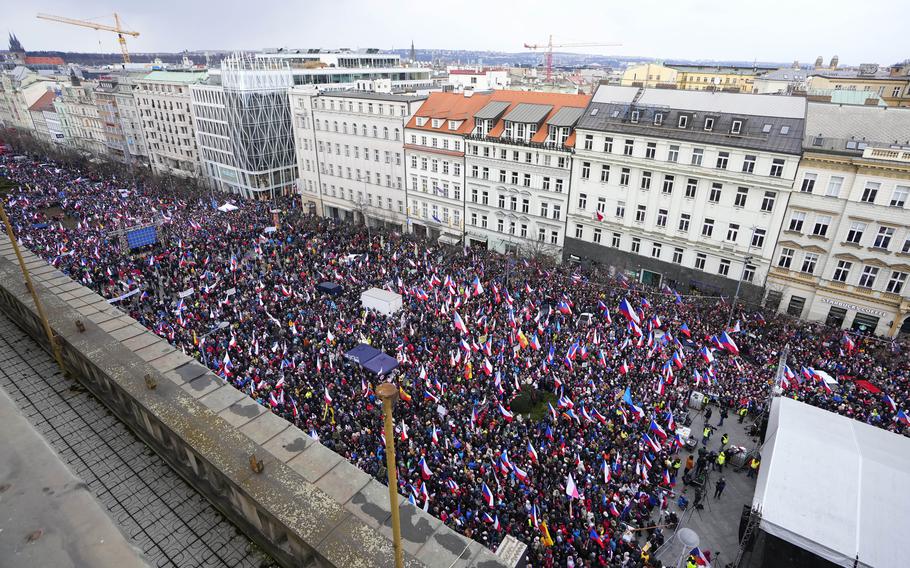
(309, 507)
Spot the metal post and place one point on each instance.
(388, 392)
(746, 262)
(34, 291)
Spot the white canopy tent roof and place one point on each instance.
(227, 207)
(834, 486)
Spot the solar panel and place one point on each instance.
(142, 237)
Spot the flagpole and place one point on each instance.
(388, 393)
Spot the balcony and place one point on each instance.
(889, 154)
(522, 143)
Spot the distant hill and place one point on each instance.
(92, 59)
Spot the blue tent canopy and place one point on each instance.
(330, 288)
(372, 359)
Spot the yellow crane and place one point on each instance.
(117, 29)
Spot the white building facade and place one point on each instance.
(80, 120)
(518, 164)
(479, 78)
(843, 256)
(163, 99)
(684, 186)
(350, 154)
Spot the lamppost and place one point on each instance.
(742, 275)
(388, 393)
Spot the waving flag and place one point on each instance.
(699, 557)
(425, 472)
(487, 495)
(508, 416)
(532, 453)
(891, 403)
(727, 342)
(902, 418)
(434, 435)
(678, 360)
(650, 442)
(459, 324)
(595, 537)
(327, 397)
(665, 478)
(487, 367)
(671, 423)
(661, 387)
(626, 309)
(477, 287)
(684, 329)
(655, 427)
(606, 471)
(706, 354)
(535, 342)
(521, 474)
(571, 489)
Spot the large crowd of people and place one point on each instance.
(518, 413)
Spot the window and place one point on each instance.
(655, 250)
(697, 155)
(608, 145)
(677, 255)
(628, 147)
(722, 159)
(579, 231)
(834, 185)
(785, 130)
(634, 117)
(651, 150)
(766, 128)
(842, 271)
(544, 209)
(557, 187)
(673, 153)
(906, 248)
(662, 217)
(749, 164)
(545, 185)
(646, 180)
(485, 198)
(708, 228)
(732, 232)
(809, 262)
(724, 267)
(737, 127)
(640, 213)
(709, 124)
(502, 176)
(585, 170)
(616, 240)
(554, 237)
(526, 180)
(636, 245)
(456, 167)
(700, 259)
(714, 196)
(582, 200)
(556, 211)
(541, 234)
(883, 238)
(500, 225)
(624, 177)
(870, 192)
(896, 283)
(742, 193)
(485, 172)
(483, 221)
(867, 278)
(808, 183)
(525, 205)
(589, 141)
(620, 209)
(899, 197)
(785, 258)
(821, 225)
(684, 220)
(511, 227)
(597, 236)
(777, 167)
(796, 221)
(474, 170)
(855, 235)
(691, 188)
(668, 184)
(604, 173)
(767, 202)
(683, 121)
(758, 238)
(658, 118)
(502, 201)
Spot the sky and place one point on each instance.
(868, 31)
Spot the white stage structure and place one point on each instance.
(383, 301)
(834, 486)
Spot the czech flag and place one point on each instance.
(699, 557)
(655, 427)
(532, 453)
(327, 397)
(571, 488)
(425, 472)
(671, 423)
(706, 354)
(661, 387)
(478, 288)
(665, 479)
(521, 474)
(459, 324)
(629, 312)
(487, 495)
(535, 342)
(902, 417)
(684, 329)
(624, 368)
(727, 343)
(678, 360)
(595, 537)
(505, 413)
(487, 367)
(891, 403)
(650, 442)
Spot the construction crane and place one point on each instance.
(117, 29)
(548, 56)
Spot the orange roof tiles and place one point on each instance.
(44, 102)
(557, 100)
(38, 60)
(450, 106)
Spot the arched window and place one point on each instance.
(397, 134)
(385, 132)
(375, 132)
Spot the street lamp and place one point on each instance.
(388, 393)
(742, 275)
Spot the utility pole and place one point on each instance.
(742, 274)
(388, 393)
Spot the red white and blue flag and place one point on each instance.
(487, 495)
(629, 312)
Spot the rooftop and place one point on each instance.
(372, 95)
(450, 106)
(44, 102)
(786, 74)
(193, 76)
(839, 124)
(37, 60)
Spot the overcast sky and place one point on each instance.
(764, 30)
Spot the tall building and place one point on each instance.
(434, 145)
(163, 99)
(45, 120)
(80, 120)
(727, 78)
(684, 185)
(350, 153)
(478, 78)
(342, 69)
(120, 116)
(243, 127)
(843, 256)
(518, 160)
(20, 88)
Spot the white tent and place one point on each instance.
(834, 486)
(227, 207)
(383, 301)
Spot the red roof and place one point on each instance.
(557, 100)
(450, 106)
(35, 60)
(44, 102)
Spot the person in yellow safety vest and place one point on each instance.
(721, 460)
(691, 563)
(742, 414)
(706, 433)
(753, 467)
(724, 440)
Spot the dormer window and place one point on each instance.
(421, 121)
(709, 124)
(785, 130)
(635, 115)
(766, 128)
(453, 125)
(437, 122)
(737, 127)
(683, 121)
(658, 119)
